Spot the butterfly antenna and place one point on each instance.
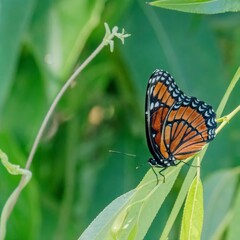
(118, 152)
(129, 155)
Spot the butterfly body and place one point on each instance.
(177, 126)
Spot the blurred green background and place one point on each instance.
(74, 175)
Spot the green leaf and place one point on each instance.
(103, 221)
(130, 216)
(178, 202)
(193, 212)
(200, 6)
(14, 18)
(234, 229)
(219, 190)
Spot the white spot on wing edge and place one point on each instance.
(151, 90)
(206, 114)
(209, 122)
(156, 104)
(151, 106)
(175, 94)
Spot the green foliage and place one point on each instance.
(74, 175)
(200, 6)
(134, 213)
(234, 230)
(14, 170)
(193, 212)
(219, 192)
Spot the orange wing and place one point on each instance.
(177, 126)
(158, 103)
(187, 129)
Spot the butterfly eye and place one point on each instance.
(177, 126)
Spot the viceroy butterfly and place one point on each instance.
(177, 126)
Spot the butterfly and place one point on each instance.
(177, 126)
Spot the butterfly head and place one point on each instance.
(163, 163)
(152, 162)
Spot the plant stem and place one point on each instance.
(227, 118)
(57, 99)
(14, 196)
(107, 40)
(227, 93)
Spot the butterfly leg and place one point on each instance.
(155, 174)
(160, 173)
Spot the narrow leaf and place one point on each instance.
(193, 212)
(100, 225)
(234, 229)
(200, 6)
(131, 215)
(219, 190)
